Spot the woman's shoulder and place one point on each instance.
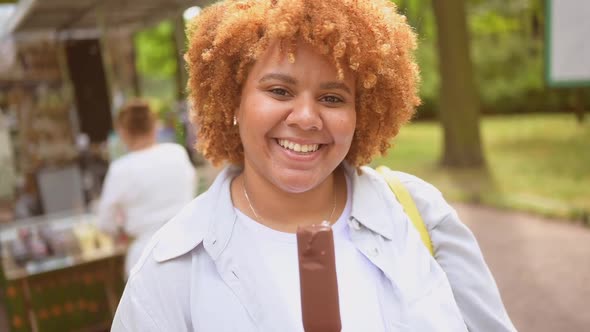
(121, 167)
(170, 148)
(412, 182)
(156, 295)
(428, 199)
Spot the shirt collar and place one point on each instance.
(370, 201)
(210, 218)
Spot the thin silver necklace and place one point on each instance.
(262, 220)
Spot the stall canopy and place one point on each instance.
(67, 15)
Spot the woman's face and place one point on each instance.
(296, 120)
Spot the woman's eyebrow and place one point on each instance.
(335, 85)
(281, 77)
(291, 80)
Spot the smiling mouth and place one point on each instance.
(298, 148)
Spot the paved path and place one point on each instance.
(542, 268)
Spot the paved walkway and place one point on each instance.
(542, 268)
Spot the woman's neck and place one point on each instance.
(141, 143)
(284, 211)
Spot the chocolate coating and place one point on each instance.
(317, 277)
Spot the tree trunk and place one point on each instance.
(135, 79)
(179, 38)
(459, 100)
(579, 105)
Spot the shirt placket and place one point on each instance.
(381, 254)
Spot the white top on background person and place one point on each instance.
(298, 95)
(144, 188)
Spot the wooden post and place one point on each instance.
(179, 39)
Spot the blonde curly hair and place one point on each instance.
(367, 36)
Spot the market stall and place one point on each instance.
(60, 273)
(72, 64)
(37, 104)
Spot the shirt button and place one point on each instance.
(373, 252)
(354, 224)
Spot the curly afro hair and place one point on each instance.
(367, 36)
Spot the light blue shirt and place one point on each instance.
(194, 276)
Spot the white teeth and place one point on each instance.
(298, 147)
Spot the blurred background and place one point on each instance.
(502, 131)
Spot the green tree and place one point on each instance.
(156, 51)
(156, 61)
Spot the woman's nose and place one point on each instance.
(305, 114)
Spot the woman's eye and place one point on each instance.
(332, 99)
(279, 92)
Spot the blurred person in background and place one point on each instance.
(146, 187)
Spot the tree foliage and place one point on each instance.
(507, 48)
(155, 51)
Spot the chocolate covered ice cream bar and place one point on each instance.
(317, 277)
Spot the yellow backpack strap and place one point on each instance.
(405, 199)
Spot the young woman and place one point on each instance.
(297, 95)
(147, 186)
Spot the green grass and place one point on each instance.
(536, 163)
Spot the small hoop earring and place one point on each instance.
(235, 122)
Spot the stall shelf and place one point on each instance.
(74, 284)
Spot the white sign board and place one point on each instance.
(568, 42)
